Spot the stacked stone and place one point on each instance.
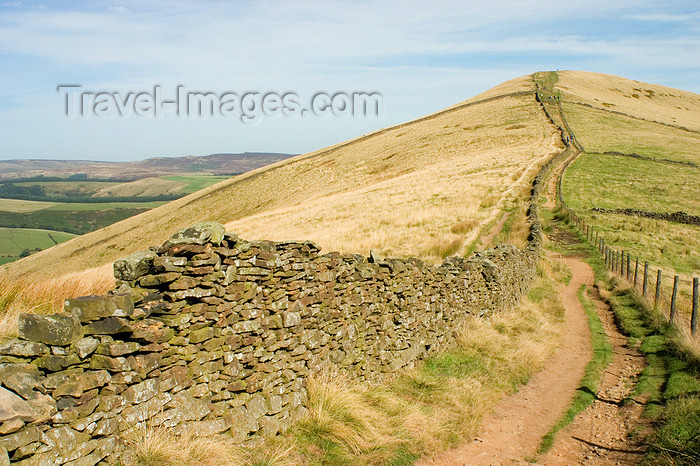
(56, 405)
(219, 334)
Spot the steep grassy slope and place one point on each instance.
(404, 190)
(642, 151)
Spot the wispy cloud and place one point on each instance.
(667, 17)
(453, 48)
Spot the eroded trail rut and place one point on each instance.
(599, 435)
(514, 430)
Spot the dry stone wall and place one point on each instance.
(219, 334)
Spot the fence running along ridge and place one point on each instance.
(664, 290)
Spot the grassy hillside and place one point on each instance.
(642, 151)
(422, 188)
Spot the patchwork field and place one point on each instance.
(14, 242)
(75, 218)
(95, 212)
(159, 186)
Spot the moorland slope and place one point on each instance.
(421, 188)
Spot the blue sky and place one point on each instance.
(421, 56)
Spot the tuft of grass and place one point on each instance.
(445, 249)
(561, 272)
(464, 226)
(161, 447)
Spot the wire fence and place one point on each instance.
(672, 294)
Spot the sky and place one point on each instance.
(419, 56)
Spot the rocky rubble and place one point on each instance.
(219, 334)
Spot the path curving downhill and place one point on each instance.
(514, 430)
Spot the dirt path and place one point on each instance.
(601, 434)
(485, 241)
(514, 430)
(551, 191)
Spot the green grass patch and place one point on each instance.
(601, 131)
(77, 221)
(194, 183)
(610, 182)
(613, 181)
(18, 242)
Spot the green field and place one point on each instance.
(82, 217)
(195, 182)
(21, 206)
(600, 131)
(68, 218)
(653, 183)
(15, 241)
(613, 181)
(70, 188)
(27, 226)
(77, 206)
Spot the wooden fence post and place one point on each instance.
(629, 274)
(623, 272)
(672, 315)
(622, 264)
(646, 278)
(636, 270)
(612, 259)
(694, 315)
(621, 259)
(658, 289)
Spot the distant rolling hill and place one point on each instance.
(215, 164)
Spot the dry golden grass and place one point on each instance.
(642, 100)
(44, 296)
(159, 447)
(22, 206)
(435, 407)
(519, 84)
(398, 191)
